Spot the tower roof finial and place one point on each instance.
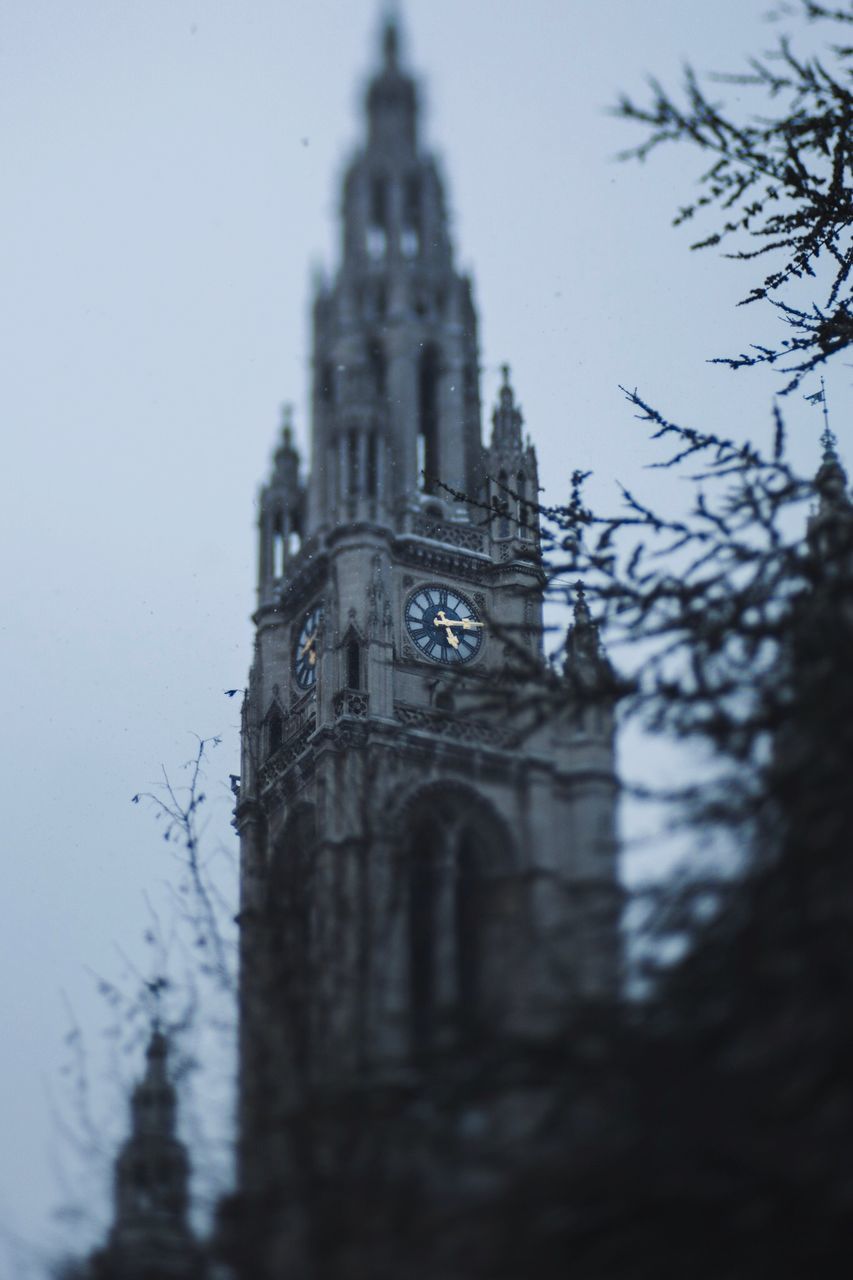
(287, 425)
(391, 95)
(286, 456)
(391, 37)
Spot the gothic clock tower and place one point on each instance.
(415, 865)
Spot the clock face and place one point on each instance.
(443, 624)
(305, 653)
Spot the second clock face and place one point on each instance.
(443, 624)
(305, 653)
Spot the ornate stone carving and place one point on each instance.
(290, 750)
(457, 535)
(437, 560)
(446, 725)
(350, 702)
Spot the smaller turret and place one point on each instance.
(831, 478)
(506, 420)
(150, 1235)
(586, 666)
(512, 473)
(281, 516)
(830, 529)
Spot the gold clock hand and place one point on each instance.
(467, 624)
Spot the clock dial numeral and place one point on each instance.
(443, 624)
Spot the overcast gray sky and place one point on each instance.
(170, 175)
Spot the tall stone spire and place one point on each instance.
(396, 382)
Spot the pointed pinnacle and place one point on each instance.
(287, 424)
(391, 39)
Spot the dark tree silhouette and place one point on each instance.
(779, 186)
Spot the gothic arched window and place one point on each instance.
(279, 545)
(423, 885)
(377, 225)
(352, 464)
(410, 236)
(353, 664)
(372, 465)
(456, 858)
(376, 361)
(503, 506)
(326, 382)
(275, 730)
(467, 918)
(521, 481)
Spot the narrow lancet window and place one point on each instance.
(520, 482)
(377, 227)
(326, 382)
(422, 911)
(503, 505)
(410, 235)
(294, 537)
(467, 922)
(353, 665)
(278, 547)
(376, 361)
(275, 730)
(428, 385)
(372, 465)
